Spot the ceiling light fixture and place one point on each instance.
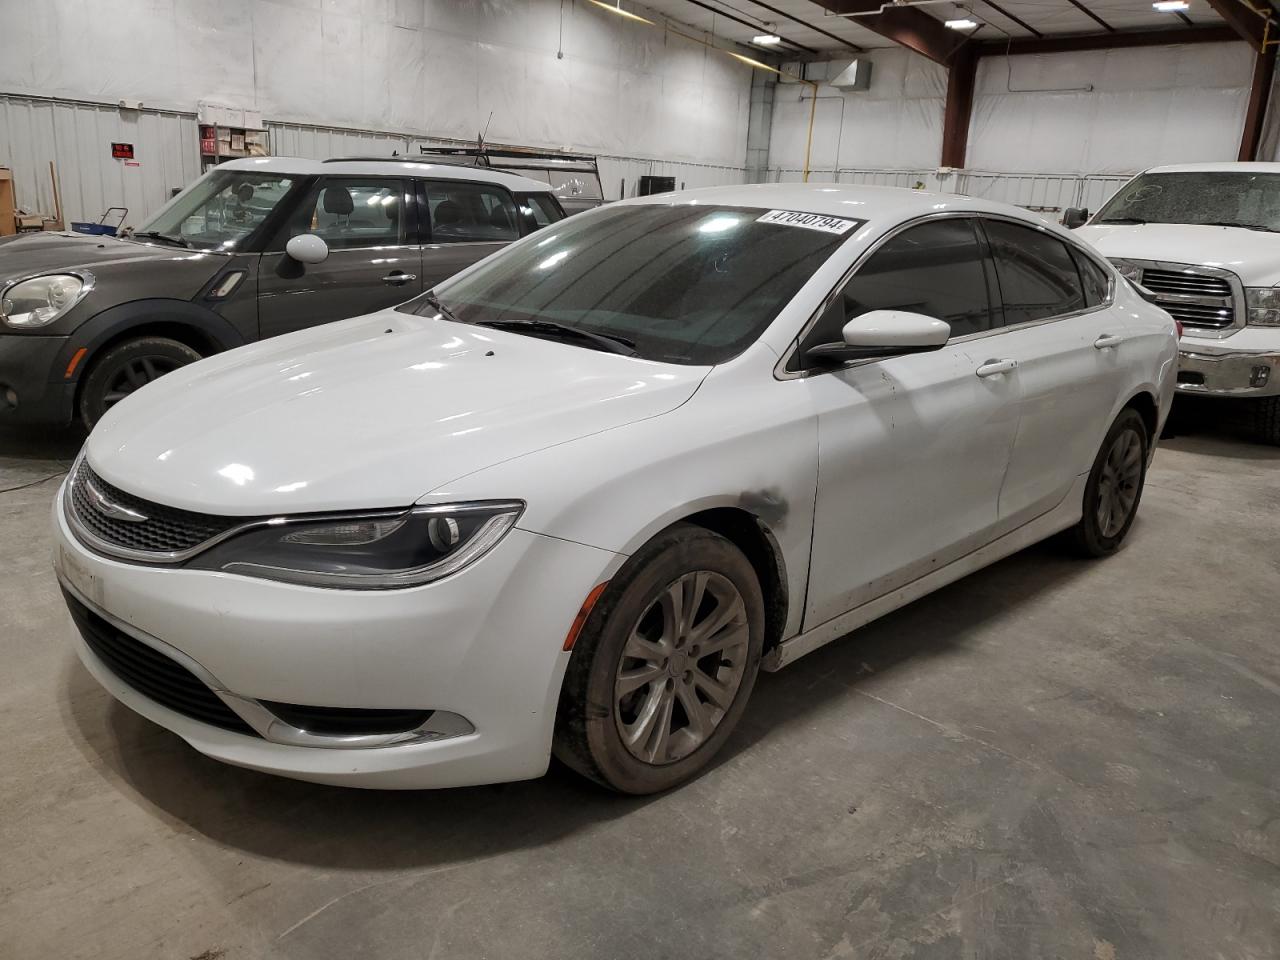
(1171, 6)
(616, 8)
(961, 24)
(767, 40)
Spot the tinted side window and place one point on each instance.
(935, 268)
(541, 208)
(1093, 278)
(469, 212)
(1038, 277)
(348, 212)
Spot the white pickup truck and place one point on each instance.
(1204, 239)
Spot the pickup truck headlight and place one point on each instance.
(1130, 271)
(1264, 306)
(38, 302)
(372, 551)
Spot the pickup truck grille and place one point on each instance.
(1196, 299)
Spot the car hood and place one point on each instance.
(30, 254)
(1253, 255)
(371, 412)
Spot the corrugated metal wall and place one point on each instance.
(78, 136)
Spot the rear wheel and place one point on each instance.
(663, 668)
(125, 368)
(1114, 489)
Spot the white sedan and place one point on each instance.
(574, 498)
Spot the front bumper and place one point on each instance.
(1246, 364)
(484, 645)
(31, 387)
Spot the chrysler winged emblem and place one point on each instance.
(109, 508)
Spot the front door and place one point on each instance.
(374, 260)
(467, 222)
(1068, 348)
(911, 449)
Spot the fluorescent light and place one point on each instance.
(962, 24)
(613, 8)
(1171, 6)
(767, 40)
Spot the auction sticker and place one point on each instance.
(809, 221)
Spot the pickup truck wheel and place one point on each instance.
(1266, 419)
(1114, 489)
(664, 665)
(124, 368)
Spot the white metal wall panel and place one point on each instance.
(78, 137)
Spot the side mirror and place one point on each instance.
(1074, 217)
(307, 248)
(884, 333)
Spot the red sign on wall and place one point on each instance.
(122, 151)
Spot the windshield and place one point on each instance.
(1224, 199)
(218, 211)
(683, 284)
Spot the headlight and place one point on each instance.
(1130, 271)
(1264, 306)
(375, 551)
(41, 300)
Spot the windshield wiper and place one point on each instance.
(444, 311)
(162, 237)
(1124, 220)
(602, 341)
(1242, 226)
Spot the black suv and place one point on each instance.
(252, 249)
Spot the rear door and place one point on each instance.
(463, 222)
(911, 449)
(1059, 329)
(369, 225)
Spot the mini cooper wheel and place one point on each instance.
(1114, 489)
(125, 368)
(663, 668)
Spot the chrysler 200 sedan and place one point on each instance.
(573, 499)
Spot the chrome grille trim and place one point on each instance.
(1209, 299)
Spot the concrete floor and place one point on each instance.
(1052, 758)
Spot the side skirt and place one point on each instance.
(1065, 515)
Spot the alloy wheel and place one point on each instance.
(1119, 483)
(681, 667)
(135, 373)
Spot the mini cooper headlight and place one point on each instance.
(1264, 306)
(374, 551)
(41, 300)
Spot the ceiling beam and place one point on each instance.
(907, 26)
(1243, 19)
(1107, 41)
(959, 106)
(809, 26)
(748, 23)
(1019, 21)
(1092, 16)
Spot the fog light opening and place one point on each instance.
(1260, 375)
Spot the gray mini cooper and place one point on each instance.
(252, 249)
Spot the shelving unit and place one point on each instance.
(227, 133)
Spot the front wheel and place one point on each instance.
(663, 668)
(1114, 489)
(1266, 419)
(127, 367)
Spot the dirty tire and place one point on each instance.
(1090, 537)
(638, 602)
(1266, 420)
(126, 367)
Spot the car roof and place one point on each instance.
(388, 167)
(851, 201)
(1220, 166)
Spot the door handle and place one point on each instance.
(1107, 340)
(397, 278)
(993, 367)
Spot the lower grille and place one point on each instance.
(1198, 315)
(151, 673)
(347, 721)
